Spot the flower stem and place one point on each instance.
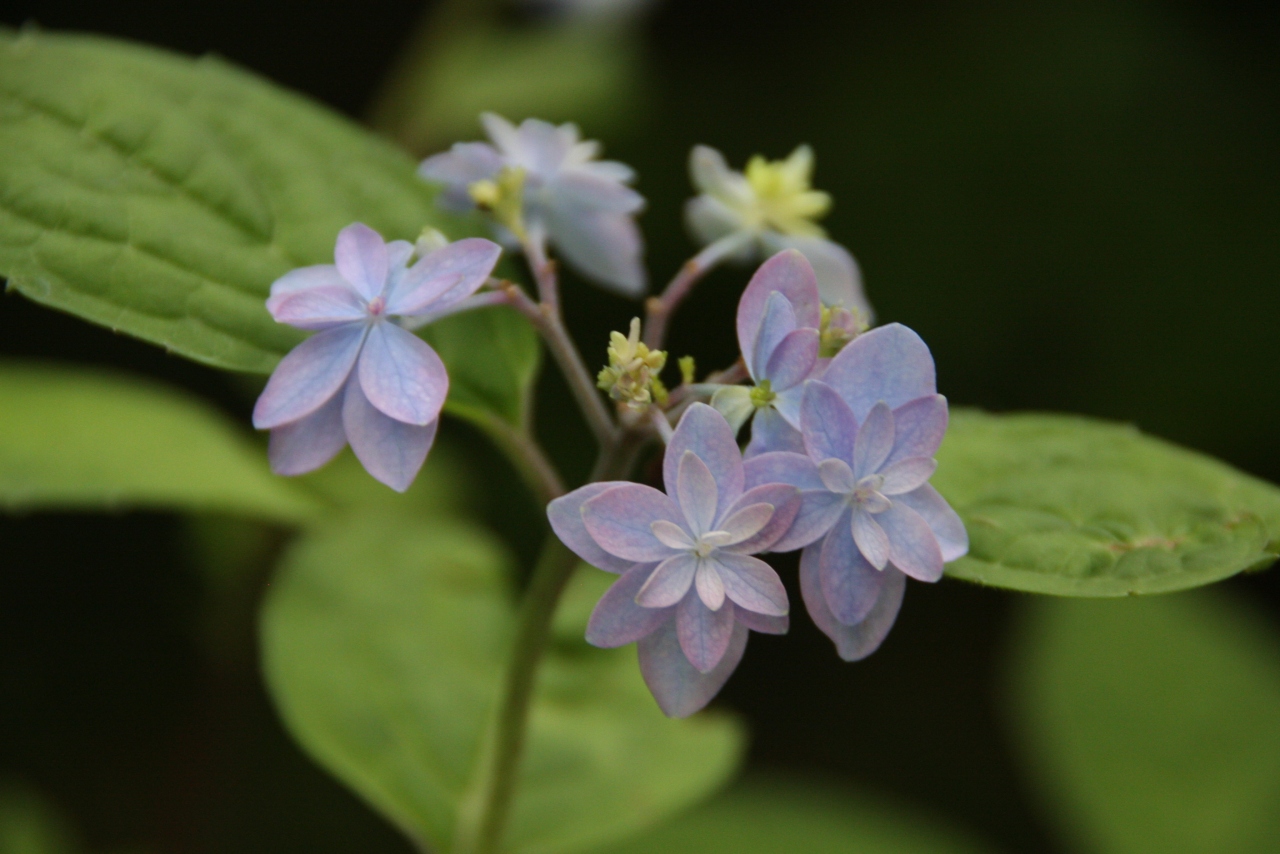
(534, 244)
(527, 456)
(660, 308)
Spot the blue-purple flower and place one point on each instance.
(363, 378)
(581, 204)
(690, 588)
(868, 516)
(778, 331)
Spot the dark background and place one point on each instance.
(1076, 204)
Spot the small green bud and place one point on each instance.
(688, 370)
(839, 326)
(762, 395)
(631, 377)
(503, 197)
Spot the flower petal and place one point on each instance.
(792, 359)
(761, 622)
(782, 467)
(850, 585)
(918, 428)
(734, 403)
(402, 376)
(778, 322)
(906, 475)
(308, 376)
(696, 493)
(752, 584)
(787, 402)
(317, 308)
(857, 641)
(390, 450)
(459, 168)
(588, 189)
(819, 511)
(826, 423)
(672, 535)
(705, 432)
(565, 516)
(704, 633)
(445, 276)
(784, 500)
(836, 476)
(620, 520)
(709, 219)
(604, 247)
(771, 432)
(747, 522)
(678, 687)
(890, 363)
(945, 523)
(669, 582)
(617, 620)
(837, 274)
(361, 257)
(306, 278)
(874, 441)
(912, 546)
(786, 273)
(709, 584)
(872, 540)
(307, 444)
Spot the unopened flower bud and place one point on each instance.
(839, 326)
(631, 377)
(688, 370)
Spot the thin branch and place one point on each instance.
(528, 457)
(660, 308)
(534, 244)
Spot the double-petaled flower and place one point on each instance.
(690, 588)
(363, 378)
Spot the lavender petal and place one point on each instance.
(860, 640)
(402, 376)
(678, 687)
(619, 520)
(565, 516)
(705, 432)
(704, 633)
(390, 450)
(361, 257)
(617, 620)
(945, 523)
(912, 546)
(308, 376)
(307, 444)
(890, 363)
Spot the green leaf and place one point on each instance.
(765, 816)
(492, 356)
(30, 825)
(1152, 723)
(1072, 506)
(86, 439)
(384, 645)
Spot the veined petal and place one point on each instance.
(790, 275)
(402, 376)
(308, 376)
(792, 359)
(745, 523)
(890, 363)
(672, 535)
(837, 274)
(782, 467)
(709, 585)
(906, 475)
(704, 431)
(850, 585)
(874, 441)
(771, 432)
(620, 520)
(678, 687)
(778, 322)
(734, 403)
(617, 620)
(872, 540)
(696, 493)
(307, 444)
(857, 641)
(704, 633)
(752, 584)
(317, 308)
(445, 276)
(785, 501)
(787, 403)
(912, 546)
(390, 450)
(836, 476)
(361, 257)
(306, 278)
(945, 523)
(669, 582)
(827, 423)
(918, 428)
(758, 622)
(565, 516)
(818, 512)
(603, 246)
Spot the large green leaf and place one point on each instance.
(1078, 507)
(86, 439)
(384, 645)
(1152, 723)
(161, 196)
(30, 825)
(790, 817)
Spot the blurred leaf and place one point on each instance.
(764, 816)
(85, 439)
(384, 644)
(492, 356)
(1072, 506)
(442, 487)
(30, 825)
(1152, 723)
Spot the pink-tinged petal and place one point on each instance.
(890, 363)
(945, 523)
(308, 376)
(361, 256)
(398, 254)
(837, 273)
(317, 308)
(679, 689)
(784, 503)
(604, 247)
(390, 450)
(789, 274)
(745, 523)
(761, 622)
(402, 375)
(819, 511)
(827, 423)
(672, 535)
(872, 540)
(850, 585)
(696, 493)
(860, 640)
(912, 546)
(705, 432)
(709, 585)
(620, 520)
(782, 467)
(617, 620)
(752, 584)
(771, 432)
(307, 278)
(792, 360)
(704, 633)
(907, 475)
(669, 582)
(445, 276)
(837, 476)
(874, 441)
(778, 322)
(565, 516)
(307, 444)
(918, 428)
